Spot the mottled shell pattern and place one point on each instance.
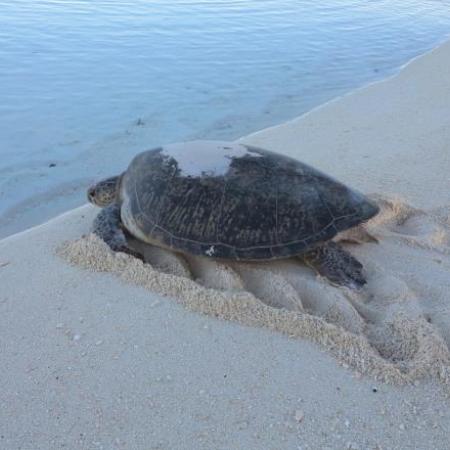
(234, 201)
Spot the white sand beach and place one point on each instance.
(100, 351)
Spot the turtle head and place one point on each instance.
(104, 192)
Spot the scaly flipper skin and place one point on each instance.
(108, 227)
(337, 265)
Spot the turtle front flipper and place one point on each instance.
(331, 261)
(108, 227)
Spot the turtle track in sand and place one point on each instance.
(396, 329)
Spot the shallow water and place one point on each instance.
(85, 84)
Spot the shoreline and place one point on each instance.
(47, 205)
(355, 91)
(346, 128)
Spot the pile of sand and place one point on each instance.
(396, 329)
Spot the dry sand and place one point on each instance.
(102, 356)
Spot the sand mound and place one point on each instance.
(396, 329)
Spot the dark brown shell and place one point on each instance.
(229, 200)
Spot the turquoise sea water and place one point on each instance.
(85, 84)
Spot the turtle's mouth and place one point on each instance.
(96, 197)
(91, 194)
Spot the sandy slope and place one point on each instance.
(101, 360)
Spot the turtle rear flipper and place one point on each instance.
(108, 227)
(337, 265)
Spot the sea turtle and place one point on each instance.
(232, 201)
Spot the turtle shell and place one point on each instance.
(234, 201)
